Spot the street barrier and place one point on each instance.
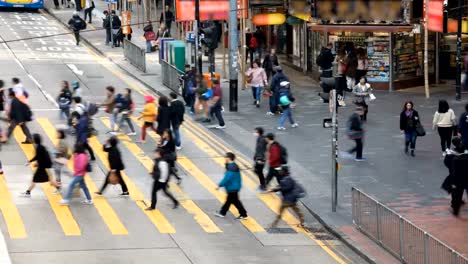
(399, 236)
(170, 76)
(135, 55)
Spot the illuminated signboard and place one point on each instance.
(435, 14)
(363, 10)
(209, 9)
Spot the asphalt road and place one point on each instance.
(115, 229)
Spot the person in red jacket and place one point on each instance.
(274, 158)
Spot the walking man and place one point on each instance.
(259, 158)
(82, 133)
(168, 19)
(88, 12)
(232, 183)
(106, 24)
(76, 23)
(276, 157)
(217, 105)
(177, 110)
(275, 86)
(19, 114)
(459, 181)
(356, 132)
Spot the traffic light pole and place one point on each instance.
(233, 61)
(196, 27)
(459, 56)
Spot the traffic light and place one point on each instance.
(210, 38)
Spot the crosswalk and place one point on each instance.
(198, 186)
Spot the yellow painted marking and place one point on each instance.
(271, 200)
(62, 213)
(102, 206)
(210, 186)
(203, 219)
(10, 213)
(155, 216)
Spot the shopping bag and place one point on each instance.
(420, 131)
(372, 97)
(113, 179)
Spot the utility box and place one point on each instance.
(178, 55)
(162, 47)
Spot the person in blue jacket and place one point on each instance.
(232, 182)
(82, 134)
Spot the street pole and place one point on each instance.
(196, 25)
(334, 152)
(459, 57)
(426, 55)
(233, 61)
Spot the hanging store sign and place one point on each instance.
(209, 9)
(268, 19)
(435, 21)
(362, 10)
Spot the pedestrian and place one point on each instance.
(351, 70)
(88, 12)
(285, 101)
(325, 61)
(64, 100)
(148, 115)
(164, 115)
(149, 36)
(80, 166)
(444, 121)
(340, 78)
(275, 86)
(458, 149)
(270, 62)
(216, 102)
(363, 64)
(261, 41)
(177, 118)
(109, 103)
(56, 4)
(463, 126)
(76, 112)
(409, 118)
(356, 132)
(167, 144)
(459, 181)
(116, 165)
(167, 17)
(253, 48)
(260, 158)
(232, 183)
(62, 156)
(43, 162)
(362, 92)
(19, 114)
(76, 23)
(249, 51)
(163, 32)
(76, 90)
(203, 95)
(291, 191)
(116, 24)
(258, 81)
(160, 176)
(189, 86)
(83, 133)
(107, 26)
(126, 110)
(20, 91)
(277, 156)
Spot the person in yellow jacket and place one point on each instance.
(149, 115)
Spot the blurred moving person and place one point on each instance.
(260, 158)
(177, 118)
(149, 116)
(356, 132)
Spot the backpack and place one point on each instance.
(82, 24)
(299, 190)
(253, 43)
(92, 109)
(119, 101)
(283, 154)
(27, 113)
(64, 100)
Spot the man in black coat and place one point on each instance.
(325, 61)
(177, 109)
(169, 18)
(270, 62)
(116, 165)
(106, 24)
(19, 114)
(459, 181)
(275, 86)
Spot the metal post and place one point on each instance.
(334, 152)
(401, 239)
(379, 224)
(426, 55)
(196, 24)
(459, 57)
(223, 34)
(392, 73)
(426, 248)
(233, 72)
(109, 6)
(437, 58)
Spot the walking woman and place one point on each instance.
(167, 144)
(61, 158)
(351, 70)
(160, 175)
(362, 92)
(409, 119)
(164, 115)
(444, 120)
(126, 111)
(149, 115)
(363, 64)
(80, 163)
(340, 78)
(116, 165)
(259, 80)
(43, 162)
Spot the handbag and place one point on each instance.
(372, 97)
(249, 78)
(150, 35)
(420, 131)
(89, 168)
(113, 179)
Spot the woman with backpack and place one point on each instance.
(126, 109)
(409, 119)
(43, 162)
(285, 101)
(64, 100)
(149, 36)
(445, 122)
(258, 80)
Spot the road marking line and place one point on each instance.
(155, 216)
(192, 208)
(10, 212)
(102, 206)
(271, 200)
(210, 186)
(62, 213)
(74, 69)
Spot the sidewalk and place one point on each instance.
(411, 186)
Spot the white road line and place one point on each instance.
(74, 69)
(46, 94)
(19, 63)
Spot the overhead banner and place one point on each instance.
(209, 9)
(362, 10)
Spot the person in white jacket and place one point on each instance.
(444, 121)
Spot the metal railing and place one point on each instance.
(397, 235)
(170, 76)
(135, 55)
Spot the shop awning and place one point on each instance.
(360, 28)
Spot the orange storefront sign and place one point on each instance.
(268, 19)
(209, 9)
(126, 20)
